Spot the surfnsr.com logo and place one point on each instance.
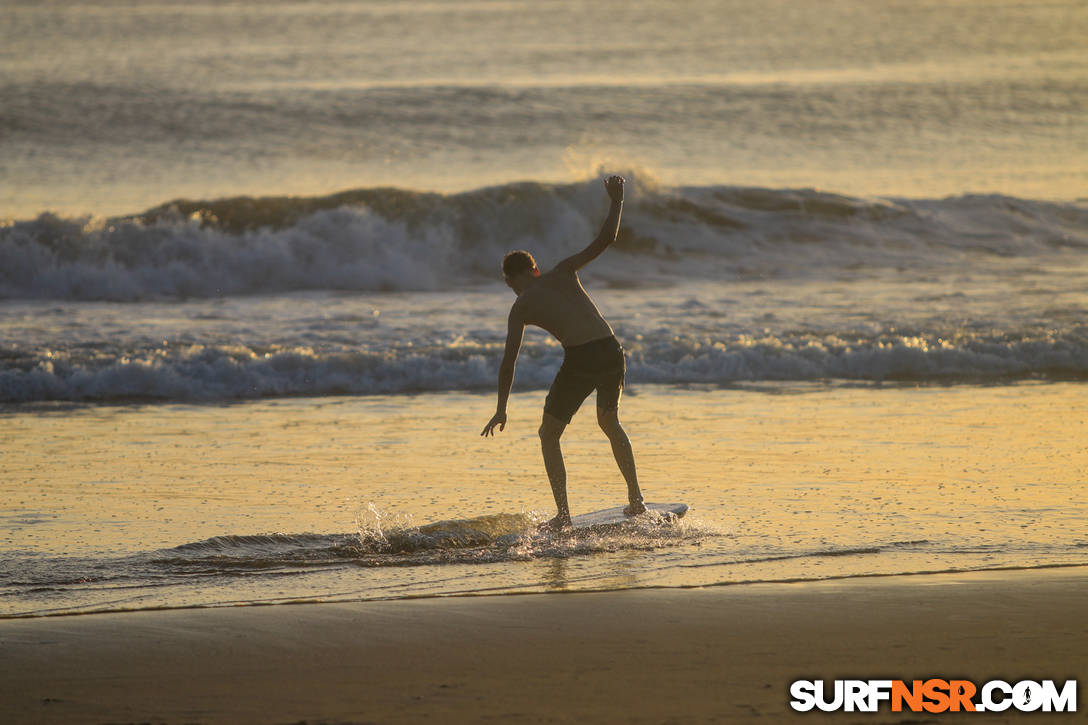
(934, 695)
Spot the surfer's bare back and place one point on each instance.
(593, 357)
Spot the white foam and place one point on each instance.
(229, 372)
(414, 241)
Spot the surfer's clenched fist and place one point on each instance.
(614, 186)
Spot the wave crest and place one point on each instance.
(203, 373)
(393, 239)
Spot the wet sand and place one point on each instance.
(719, 654)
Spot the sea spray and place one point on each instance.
(400, 240)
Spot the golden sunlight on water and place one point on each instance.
(839, 467)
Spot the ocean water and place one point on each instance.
(114, 106)
(222, 214)
(355, 498)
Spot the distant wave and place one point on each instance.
(211, 372)
(391, 239)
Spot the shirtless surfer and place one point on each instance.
(593, 360)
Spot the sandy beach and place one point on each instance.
(719, 654)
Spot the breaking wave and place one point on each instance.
(210, 372)
(391, 239)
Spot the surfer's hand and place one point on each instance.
(499, 419)
(614, 186)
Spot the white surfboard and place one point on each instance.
(613, 516)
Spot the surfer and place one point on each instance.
(593, 358)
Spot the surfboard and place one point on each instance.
(614, 516)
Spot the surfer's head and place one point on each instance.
(518, 268)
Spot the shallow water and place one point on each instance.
(850, 281)
(397, 496)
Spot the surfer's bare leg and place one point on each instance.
(609, 420)
(551, 428)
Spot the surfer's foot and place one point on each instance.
(634, 508)
(558, 523)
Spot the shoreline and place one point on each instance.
(720, 654)
(844, 578)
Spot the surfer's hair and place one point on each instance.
(516, 262)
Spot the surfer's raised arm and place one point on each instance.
(515, 331)
(614, 186)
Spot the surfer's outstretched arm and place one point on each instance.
(614, 186)
(514, 333)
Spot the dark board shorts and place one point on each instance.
(596, 365)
